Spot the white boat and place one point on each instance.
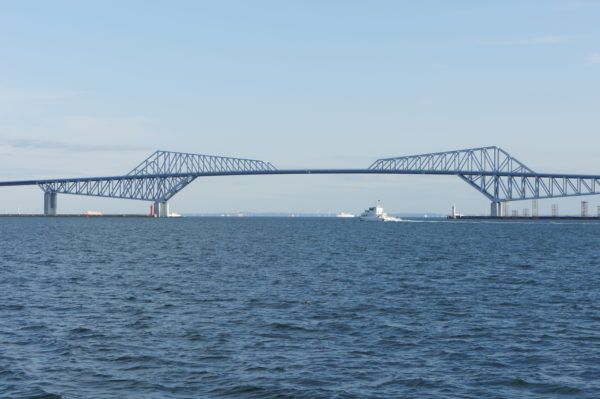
(344, 215)
(376, 214)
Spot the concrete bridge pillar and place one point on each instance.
(161, 209)
(50, 204)
(496, 209)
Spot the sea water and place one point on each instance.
(298, 308)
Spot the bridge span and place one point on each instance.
(490, 170)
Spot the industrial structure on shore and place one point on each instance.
(490, 170)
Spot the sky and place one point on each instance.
(91, 88)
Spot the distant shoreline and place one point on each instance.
(36, 215)
(291, 216)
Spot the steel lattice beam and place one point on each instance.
(493, 172)
(158, 178)
(167, 162)
(514, 188)
(490, 170)
(483, 159)
(145, 188)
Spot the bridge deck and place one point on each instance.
(490, 170)
(300, 172)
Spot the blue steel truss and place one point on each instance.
(494, 173)
(148, 188)
(168, 162)
(484, 159)
(490, 170)
(533, 186)
(153, 179)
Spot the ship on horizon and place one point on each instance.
(345, 215)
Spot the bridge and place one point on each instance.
(490, 170)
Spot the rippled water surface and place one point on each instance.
(298, 308)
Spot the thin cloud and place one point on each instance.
(594, 59)
(535, 40)
(573, 5)
(550, 39)
(34, 144)
(22, 94)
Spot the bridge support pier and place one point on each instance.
(50, 204)
(161, 209)
(496, 209)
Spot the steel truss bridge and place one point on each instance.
(490, 170)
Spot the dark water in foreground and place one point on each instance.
(298, 308)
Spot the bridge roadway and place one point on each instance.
(36, 182)
(490, 170)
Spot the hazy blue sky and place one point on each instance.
(91, 88)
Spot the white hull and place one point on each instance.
(379, 219)
(376, 214)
